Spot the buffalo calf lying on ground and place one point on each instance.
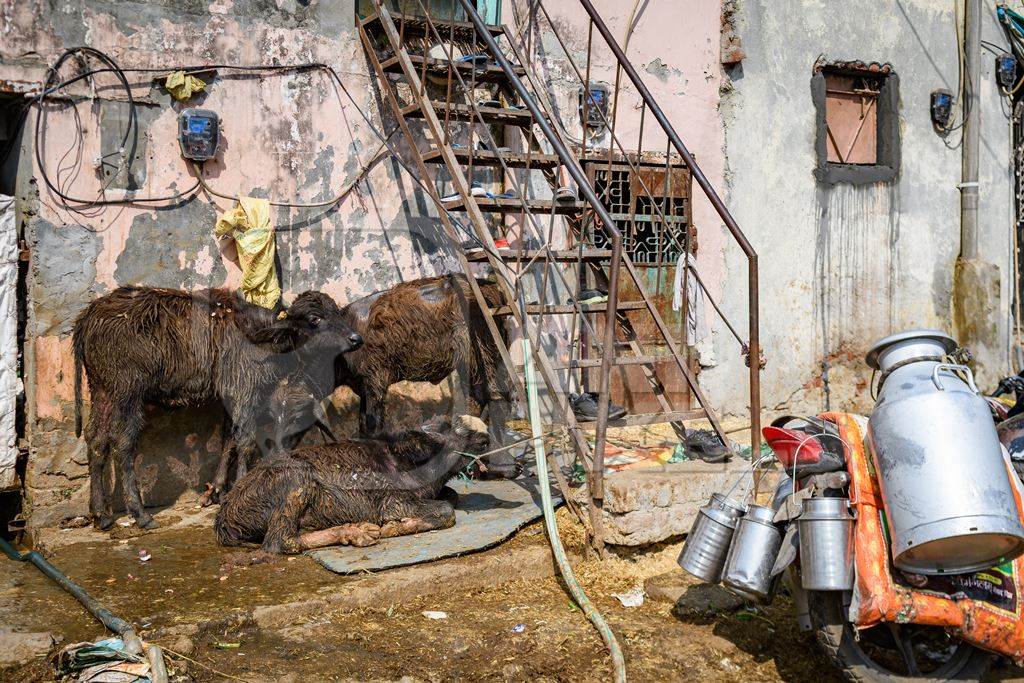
(422, 331)
(352, 492)
(141, 345)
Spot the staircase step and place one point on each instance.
(555, 254)
(650, 419)
(561, 309)
(619, 361)
(489, 74)
(459, 111)
(418, 25)
(488, 158)
(515, 205)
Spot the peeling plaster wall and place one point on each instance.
(284, 136)
(842, 266)
(289, 136)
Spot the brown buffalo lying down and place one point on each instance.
(352, 492)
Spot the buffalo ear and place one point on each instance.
(284, 333)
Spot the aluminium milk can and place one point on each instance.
(708, 542)
(755, 545)
(949, 501)
(826, 544)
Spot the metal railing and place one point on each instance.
(751, 348)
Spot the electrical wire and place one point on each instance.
(377, 156)
(129, 140)
(131, 131)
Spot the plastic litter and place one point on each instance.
(633, 598)
(432, 614)
(518, 628)
(105, 660)
(249, 225)
(182, 86)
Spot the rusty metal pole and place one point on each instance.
(579, 177)
(754, 342)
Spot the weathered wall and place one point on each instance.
(289, 136)
(285, 136)
(842, 265)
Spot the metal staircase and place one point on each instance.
(465, 103)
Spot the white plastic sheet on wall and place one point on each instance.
(10, 383)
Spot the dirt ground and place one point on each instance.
(194, 599)
(222, 614)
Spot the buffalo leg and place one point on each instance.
(372, 410)
(97, 439)
(228, 448)
(248, 450)
(283, 529)
(125, 440)
(360, 535)
(413, 517)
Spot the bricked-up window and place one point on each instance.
(851, 118)
(858, 126)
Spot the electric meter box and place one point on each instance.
(596, 110)
(198, 133)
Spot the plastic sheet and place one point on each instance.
(10, 383)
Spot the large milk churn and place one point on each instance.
(949, 501)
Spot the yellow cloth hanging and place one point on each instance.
(249, 225)
(183, 86)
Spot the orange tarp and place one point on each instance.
(880, 599)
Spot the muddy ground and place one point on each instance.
(221, 618)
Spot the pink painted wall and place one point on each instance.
(287, 136)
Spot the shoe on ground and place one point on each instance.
(565, 194)
(705, 444)
(584, 407)
(590, 296)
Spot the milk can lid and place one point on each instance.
(948, 343)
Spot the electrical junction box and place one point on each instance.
(198, 133)
(596, 109)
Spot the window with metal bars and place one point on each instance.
(440, 10)
(650, 205)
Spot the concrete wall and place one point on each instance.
(842, 265)
(289, 137)
(286, 136)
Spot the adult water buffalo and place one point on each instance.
(143, 345)
(352, 492)
(422, 331)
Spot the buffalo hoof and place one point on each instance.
(364, 534)
(104, 523)
(147, 522)
(210, 497)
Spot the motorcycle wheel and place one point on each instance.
(891, 653)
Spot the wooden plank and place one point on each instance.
(537, 309)
(619, 360)
(489, 158)
(650, 419)
(458, 111)
(515, 205)
(568, 255)
(490, 73)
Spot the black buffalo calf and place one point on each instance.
(352, 492)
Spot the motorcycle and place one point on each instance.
(887, 599)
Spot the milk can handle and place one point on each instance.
(950, 366)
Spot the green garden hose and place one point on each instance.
(618, 664)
